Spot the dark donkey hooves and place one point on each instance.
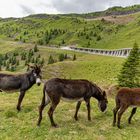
(18, 108)
(55, 126)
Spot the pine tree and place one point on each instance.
(66, 56)
(7, 66)
(36, 60)
(36, 48)
(51, 60)
(13, 68)
(74, 57)
(4, 63)
(61, 57)
(17, 63)
(33, 60)
(6, 56)
(130, 73)
(42, 61)
(63, 41)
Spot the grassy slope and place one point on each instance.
(113, 35)
(100, 69)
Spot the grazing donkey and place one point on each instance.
(126, 97)
(76, 90)
(20, 82)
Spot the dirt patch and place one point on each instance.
(124, 19)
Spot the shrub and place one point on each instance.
(36, 48)
(61, 57)
(98, 38)
(74, 57)
(50, 60)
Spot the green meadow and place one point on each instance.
(102, 70)
(18, 37)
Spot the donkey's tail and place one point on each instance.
(46, 97)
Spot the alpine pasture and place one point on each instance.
(19, 36)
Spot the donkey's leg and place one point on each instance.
(132, 113)
(115, 110)
(77, 109)
(41, 107)
(51, 110)
(21, 96)
(88, 108)
(120, 112)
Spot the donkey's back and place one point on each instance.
(130, 96)
(68, 88)
(10, 82)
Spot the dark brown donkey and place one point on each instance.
(126, 97)
(76, 90)
(20, 82)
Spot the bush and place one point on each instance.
(13, 68)
(42, 61)
(50, 60)
(66, 56)
(61, 57)
(36, 48)
(98, 38)
(74, 57)
(63, 42)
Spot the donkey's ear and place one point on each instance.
(104, 93)
(29, 66)
(40, 66)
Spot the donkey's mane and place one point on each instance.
(93, 84)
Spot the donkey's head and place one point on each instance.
(36, 72)
(102, 102)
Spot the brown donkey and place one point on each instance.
(76, 90)
(126, 97)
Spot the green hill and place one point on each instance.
(115, 31)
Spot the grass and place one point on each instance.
(99, 69)
(22, 125)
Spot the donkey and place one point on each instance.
(125, 98)
(70, 90)
(20, 82)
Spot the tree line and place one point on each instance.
(10, 61)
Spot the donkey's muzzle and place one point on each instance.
(38, 81)
(38, 84)
(102, 105)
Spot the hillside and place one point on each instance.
(115, 31)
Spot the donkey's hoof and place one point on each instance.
(76, 118)
(89, 119)
(119, 127)
(55, 126)
(18, 109)
(129, 122)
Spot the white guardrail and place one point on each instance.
(116, 52)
